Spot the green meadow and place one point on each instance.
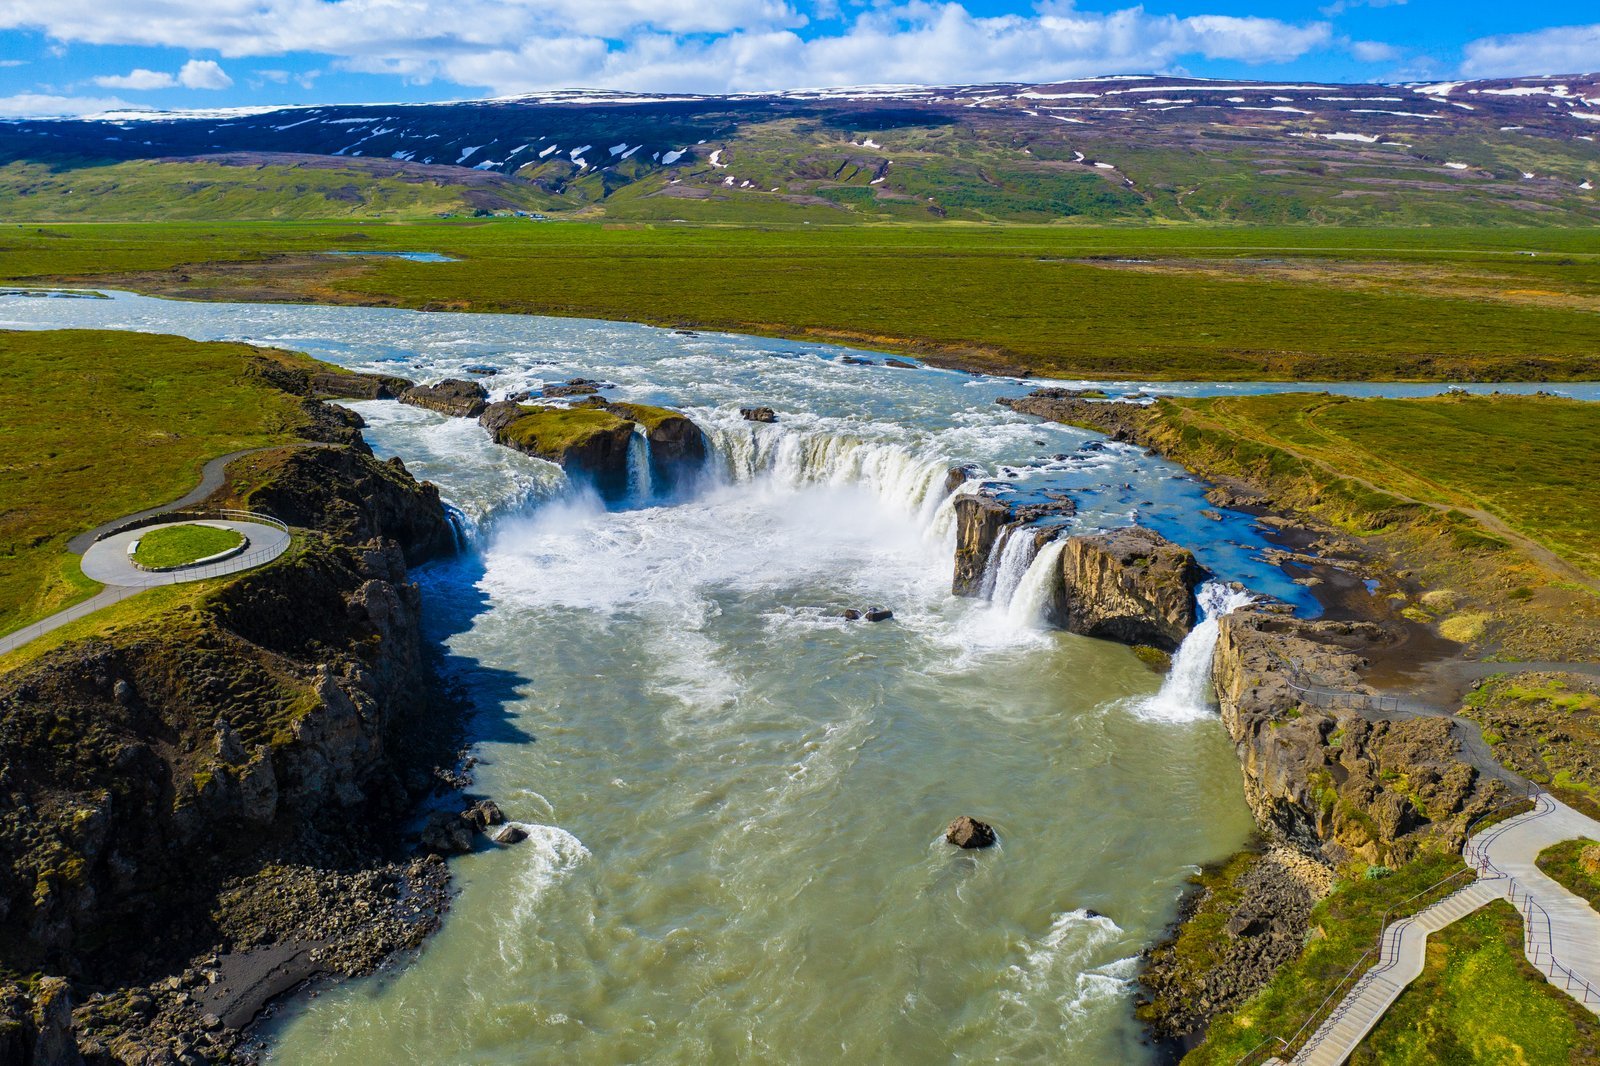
(1158, 302)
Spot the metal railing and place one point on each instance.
(1274, 1045)
(1345, 699)
(1540, 949)
(113, 594)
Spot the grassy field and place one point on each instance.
(179, 545)
(1526, 462)
(1233, 304)
(1565, 862)
(1479, 1001)
(100, 424)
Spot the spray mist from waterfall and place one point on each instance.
(1185, 695)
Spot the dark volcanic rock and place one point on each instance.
(341, 386)
(483, 814)
(447, 834)
(1131, 585)
(453, 396)
(511, 834)
(901, 364)
(850, 614)
(968, 832)
(758, 414)
(575, 387)
(877, 614)
(350, 495)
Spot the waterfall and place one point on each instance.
(640, 487)
(1037, 591)
(1185, 695)
(942, 526)
(909, 481)
(1020, 546)
(991, 564)
(461, 527)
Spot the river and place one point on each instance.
(735, 798)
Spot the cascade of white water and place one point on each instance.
(1038, 587)
(1186, 693)
(640, 486)
(942, 526)
(1019, 551)
(991, 564)
(797, 459)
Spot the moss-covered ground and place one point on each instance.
(1479, 1001)
(1427, 304)
(100, 424)
(1576, 865)
(551, 431)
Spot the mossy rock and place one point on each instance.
(590, 442)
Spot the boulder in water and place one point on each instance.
(758, 414)
(855, 360)
(878, 614)
(453, 396)
(968, 832)
(511, 834)
(850, 614)
(901, 364)
(483, 814)
(447, 834)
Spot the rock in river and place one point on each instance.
(446, 834)
(968, 832)
(453, 396)
(758, 414)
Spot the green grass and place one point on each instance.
(1529, 461)
(1564, 863)
(181, 191)
(99, 424)
(551, 431)
(1479, 1001)
(172, 546)
(1345, 925)
(992, 297)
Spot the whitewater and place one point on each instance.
(734, 796)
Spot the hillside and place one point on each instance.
(1519, 151)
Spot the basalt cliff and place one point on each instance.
(197, 808)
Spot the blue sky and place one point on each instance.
(84, 56)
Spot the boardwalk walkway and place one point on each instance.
(1561, 932)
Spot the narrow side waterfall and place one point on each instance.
(640, 487)
(1020, 547)
(991, 565)
(1185, 695)
(1037, 592)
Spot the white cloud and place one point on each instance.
(1374, 51)
(13, 62)
(39, 105)
(1558, 50)
(138, 78)
(203, 74)
(675, 45)
(195, 74)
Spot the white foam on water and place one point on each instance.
(1186, 694)
(544, 858)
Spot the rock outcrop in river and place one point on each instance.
(1131, 585)
(452, 396)
(222, 778)
(593, 439)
